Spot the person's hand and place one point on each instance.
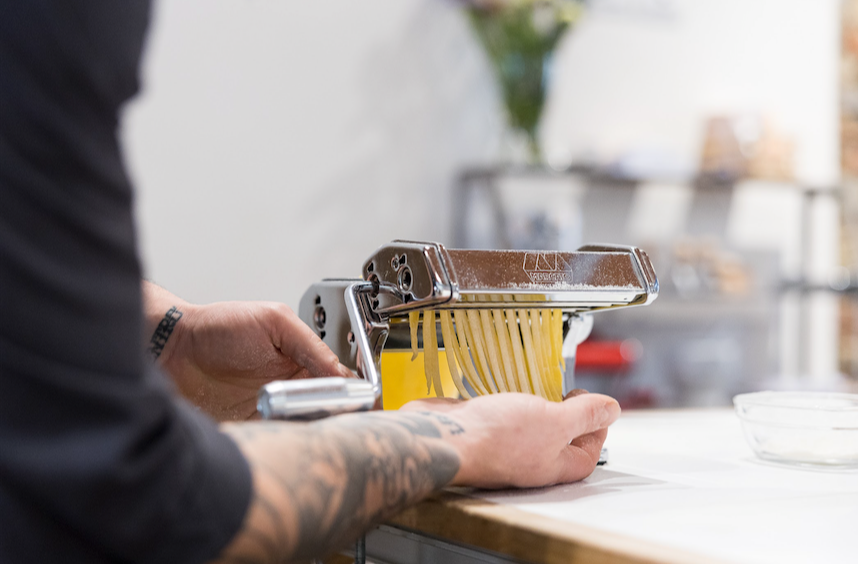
(521, 440)
(220, 354)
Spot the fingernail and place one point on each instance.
(575, 392)
(610, 412)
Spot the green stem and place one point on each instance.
(534, 148)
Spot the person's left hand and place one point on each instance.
(521, 440)
(220, 354)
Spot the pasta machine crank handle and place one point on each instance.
(312, 399)
(370, 333)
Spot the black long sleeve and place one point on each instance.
(98, 459)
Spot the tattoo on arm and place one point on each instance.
(163, 331)
(454, 427)
(319, 486)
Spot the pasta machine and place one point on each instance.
(359, 318)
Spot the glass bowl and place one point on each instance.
(801, 428)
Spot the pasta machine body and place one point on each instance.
(359, 318)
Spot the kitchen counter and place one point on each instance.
(679, 486)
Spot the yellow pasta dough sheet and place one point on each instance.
(404, 380)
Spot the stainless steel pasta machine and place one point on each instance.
(359, 318)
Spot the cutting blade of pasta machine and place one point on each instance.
(358, 318)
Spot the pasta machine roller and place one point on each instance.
(359, 318)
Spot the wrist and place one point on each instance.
(467, 474)
(463, 438)
(166, 320)
(457, 431)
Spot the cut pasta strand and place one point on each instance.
(463, 355)
(414, 321)
(492, 346)
(543, 336)
(557, 335)
(518, 352)
(475, 342)
(430, 354)
(530, 356)
(451, 347)
(505, 351)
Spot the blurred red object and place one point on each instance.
(607, 356)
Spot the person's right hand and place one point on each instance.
(221, 353)
(521, 440)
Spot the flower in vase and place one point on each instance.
(519, 37)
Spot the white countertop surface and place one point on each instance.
(688, 480)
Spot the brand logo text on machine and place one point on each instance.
(547, 268)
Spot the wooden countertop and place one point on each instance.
(528, 537)
(680, 486)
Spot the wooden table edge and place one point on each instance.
(529, 537)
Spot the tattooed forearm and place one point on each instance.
(163, 331)
(319, 486)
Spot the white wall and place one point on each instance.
(647, 73)
(276, 143)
